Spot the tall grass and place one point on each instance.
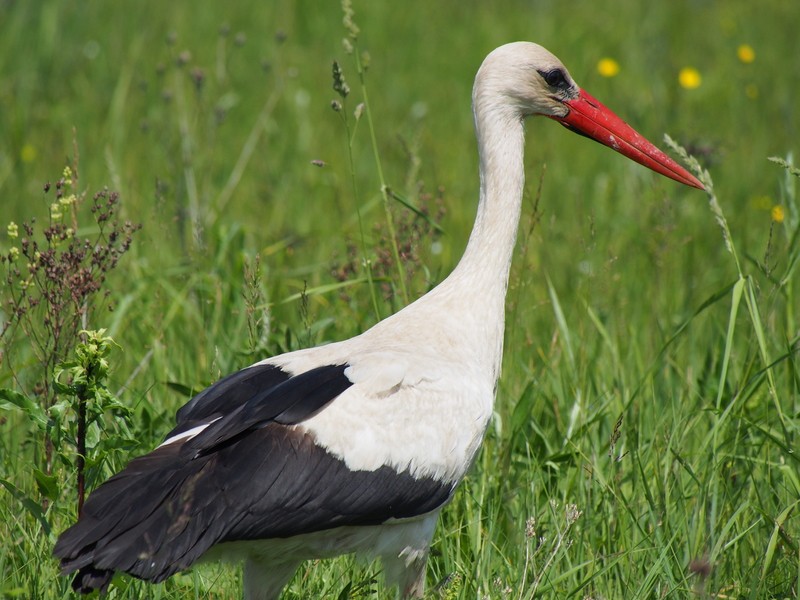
(644, 438)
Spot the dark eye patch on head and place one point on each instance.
(555, 78)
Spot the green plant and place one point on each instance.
(54, 279)
(79, 417)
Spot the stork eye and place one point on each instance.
(555, 78)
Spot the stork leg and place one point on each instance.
(407, 572)
(405, 566)
(265, 580)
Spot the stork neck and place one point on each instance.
(474, 293)
(487, 259)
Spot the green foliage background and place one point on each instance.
(208, 119)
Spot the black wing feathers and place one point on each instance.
(227, 394)
(312, 490)
(246, 476)
(141, 520)
(288, 403)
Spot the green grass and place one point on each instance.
(650, 375)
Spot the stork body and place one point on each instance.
(354, 446)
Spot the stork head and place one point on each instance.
(528, 80)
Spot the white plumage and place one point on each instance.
(355, 446)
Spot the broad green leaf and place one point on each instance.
(33, 507)
(10, 398)
(48, 484)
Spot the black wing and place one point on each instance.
(249, 475)
(227, 394)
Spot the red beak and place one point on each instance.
(589, 117)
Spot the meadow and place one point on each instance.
(648, 414)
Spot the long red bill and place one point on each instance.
(589, 117)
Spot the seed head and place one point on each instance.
(572, 513)
(530, 527)
(339, 84)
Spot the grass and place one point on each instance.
(650, 378)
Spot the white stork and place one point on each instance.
(356, 446)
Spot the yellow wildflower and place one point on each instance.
(777, 213)
(12, 229)
(746, 53)
(690, 78)
(55, 211)
(607, 67)
(13, 253)
(67, 175)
